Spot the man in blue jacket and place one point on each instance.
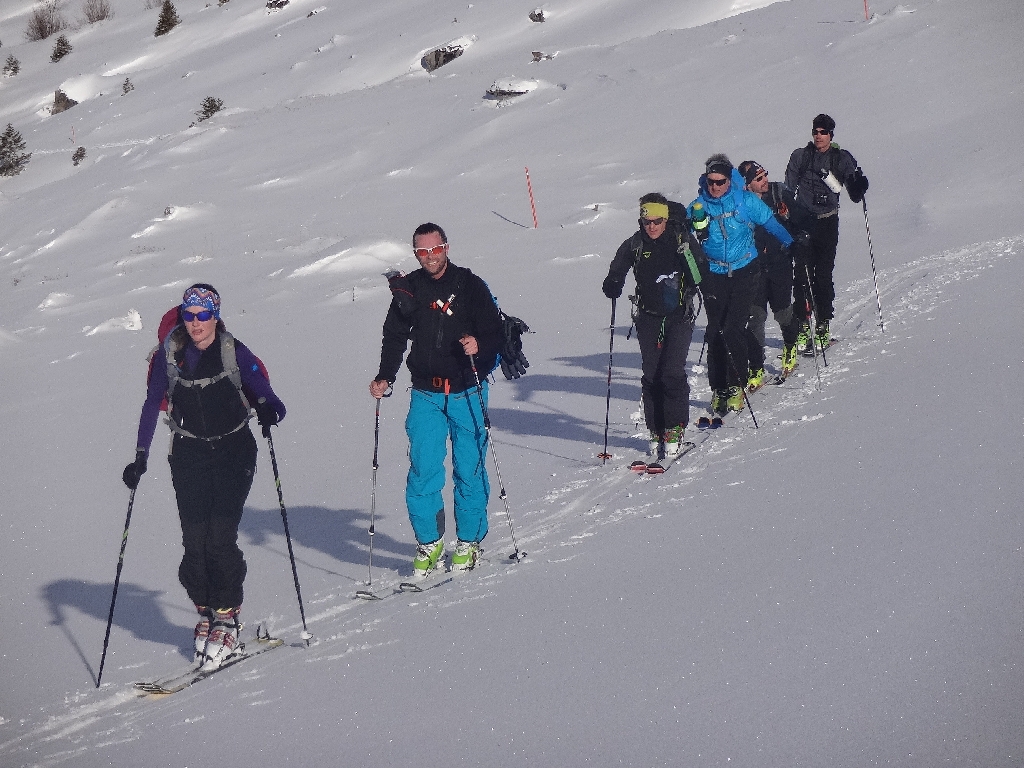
(729, 289)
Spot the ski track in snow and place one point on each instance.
(549, 527)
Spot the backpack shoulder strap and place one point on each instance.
(636, 245)
(171, 347)
(229, 360)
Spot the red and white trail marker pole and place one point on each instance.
(533, 206)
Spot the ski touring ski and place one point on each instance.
(661, 466)
(178, 682)
(810, 351)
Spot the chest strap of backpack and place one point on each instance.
(229, 363)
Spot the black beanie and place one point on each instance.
(825, 122)
(719, 164)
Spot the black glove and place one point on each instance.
(134, 471)
(857, 185)
(266, 415)
(801, 238)
(402, 292)
(513, 361)
(612, 288)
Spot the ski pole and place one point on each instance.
(604, 455)
(704, 343)
(517, 555)
(117, 581)
(373, 504)
(814, 313)
(306, 634)
(871, 253)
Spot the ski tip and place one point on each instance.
(655, 469)
(638, 466)
(363, 594)
(408, 586)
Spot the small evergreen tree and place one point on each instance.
(168, 19)
(12, 67)
(209, 108)
(79, 155)
(13, 157)
(127, 86)
(61, 48)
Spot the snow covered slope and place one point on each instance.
(839, 587)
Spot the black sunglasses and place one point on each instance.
(820, 132)
(202, 316)
(652, 222)
(717, 182)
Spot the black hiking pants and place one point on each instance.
(211, 483)
(664, 344)
(727, 302)
(775, 291)
(819, 258)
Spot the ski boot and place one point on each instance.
(428, 557)
(465, 556)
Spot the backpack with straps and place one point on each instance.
(696, 263)
(511, 359)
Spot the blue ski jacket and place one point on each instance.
(730, 243)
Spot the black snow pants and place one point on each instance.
(727, 302)
(664, 345)
(211, 483)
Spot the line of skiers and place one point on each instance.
(749, 239)
(734, 245)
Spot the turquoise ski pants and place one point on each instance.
(433, 419)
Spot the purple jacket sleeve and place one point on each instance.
(156, 388)
(254, 383)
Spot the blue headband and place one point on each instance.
(201, 297)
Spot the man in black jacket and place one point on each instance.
(456, 332)
(776, 283)
(816, 174)
(662, 258)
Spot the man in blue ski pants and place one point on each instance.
(456, 332)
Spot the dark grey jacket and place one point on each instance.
(803, 177)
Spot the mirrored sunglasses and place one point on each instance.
(202, 316)
(437, 250)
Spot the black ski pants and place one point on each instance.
(774, 290)
(727, 302)
(211, 483)
(818, 255)
(664, 344)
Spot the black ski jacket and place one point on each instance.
(663, 279)
(435, 314)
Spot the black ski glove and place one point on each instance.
(857, 185)
(134, 471)
(612, 288)
(266, 415)
(513, 361)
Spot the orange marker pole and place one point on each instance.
(866, 17)
(533, 207)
